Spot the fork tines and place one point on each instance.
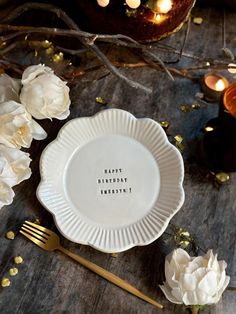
(35, 233)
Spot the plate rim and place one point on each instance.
(170, 215)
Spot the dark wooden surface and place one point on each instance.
(52, 283)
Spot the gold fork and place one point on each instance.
(48, 240)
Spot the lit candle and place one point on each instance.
(133, 4)
(103, 3)
(229, 99)
(213, 86)
(159, 18)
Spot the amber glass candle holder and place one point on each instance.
(220, 134)
(144, 20)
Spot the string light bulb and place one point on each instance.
(164, 6)
(103, 3)
(133, 4)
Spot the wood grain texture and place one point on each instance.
(51, 282)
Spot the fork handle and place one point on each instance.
(110, 277)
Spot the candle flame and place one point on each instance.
(220, 85)
(164, 6)
(158, 18)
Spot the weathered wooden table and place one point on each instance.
(51, 282)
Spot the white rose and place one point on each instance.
(194, 280)
(6, 194)
(17, 128)
(14, 168)
(9, 88)
(44, 94)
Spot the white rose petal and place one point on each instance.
(188, 282)
(17, 128)
(44, 94)
(6, 194)
(194, 280)
(14, 165)
(169, 295)
(33, 71)
(14, 168)
(190, 298)
(9, 88)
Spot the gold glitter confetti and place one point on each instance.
(13, 271)
(222, 177)
(180, 146)
(179, 142)
(196, 106)
(208, 129)
(184, 244)
(101, 101)
(50, 50)
(58, 57)
(208, 64)
(37, 221)
(185, 108)
(18, 259)
(3, 44)
(165, 124)
(179, 139)
(197, 20)
(182, 238)
(10, 235)
(114, 254)
(5, 282)
(46, 43)
(199, 95)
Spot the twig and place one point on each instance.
(223, 30)
(71, 24)
(18, 11)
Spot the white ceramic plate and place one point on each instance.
(111, 181)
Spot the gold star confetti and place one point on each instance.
(13, 271)
(185, 108)
(46, 43)
(10, 235)
(196, 106)
(5, 282)
(197, 20)
(18, 260)
(222, 177)
(165, 124)
(58, 57)
(100, 101)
